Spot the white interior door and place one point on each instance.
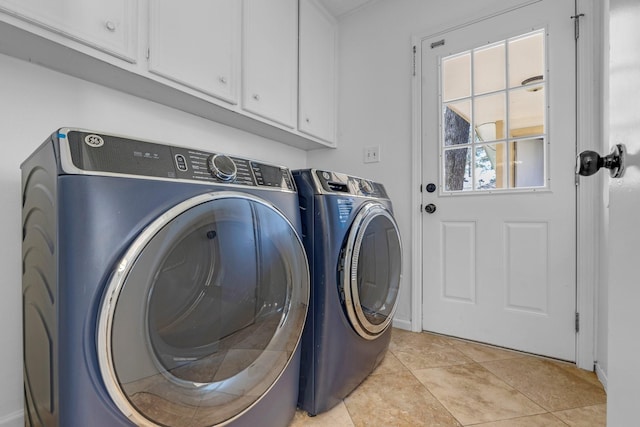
(498, 142)
(623, 393)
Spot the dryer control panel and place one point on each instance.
(86, 152)
(339, 183)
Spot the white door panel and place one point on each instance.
(623, 393)
(499, 260)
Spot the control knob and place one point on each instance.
(222, 167)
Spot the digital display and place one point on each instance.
(271, 176)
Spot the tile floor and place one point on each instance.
(431, 380)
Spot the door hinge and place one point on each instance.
(148, 53)
(421, 188)
(414, 60)
(576, 25)
(577, 322)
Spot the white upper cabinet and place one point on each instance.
(235, 62)
(270, 60)
(196, 43)
(317, 75)
(109, 26)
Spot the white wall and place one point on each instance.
(374, 99)
(34, 102)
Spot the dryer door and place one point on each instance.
(372, 261)
(204, 312)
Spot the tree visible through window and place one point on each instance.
(456, 132)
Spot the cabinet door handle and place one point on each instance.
(256, 97)
(111, 26)
(223, 80)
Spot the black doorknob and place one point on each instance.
(430, 208)
(589, 162)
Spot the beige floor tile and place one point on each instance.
(336, 416)
(389, 365)
(484, 353)
(396, 399)
(418, 358)
(474, 395)
(543, 420)
(588, 416)
(424, 350)
(402, 340)
(553, 385)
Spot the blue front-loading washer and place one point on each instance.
(162, 285)
(355, 255)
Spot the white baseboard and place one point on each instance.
(14, 419)
(402, 324)
(602, 376)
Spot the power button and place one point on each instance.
(181, 163)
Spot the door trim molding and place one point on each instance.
(588, 192)
(416, 187)
(589, 136)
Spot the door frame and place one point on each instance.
(589, 136)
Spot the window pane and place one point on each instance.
(494, 113)
(489, 113)
(457, 169)
(527, 166)
(526, 58)
(489, 69)
(526, 111)
(456, 77)
(489, 166)
(456, 120)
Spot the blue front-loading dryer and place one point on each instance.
(162, 285)
(355, 255)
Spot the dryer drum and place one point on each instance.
(204, 313)
(371, 274)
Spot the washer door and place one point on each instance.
(372, 260)
(204, 312)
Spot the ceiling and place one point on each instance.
(341, 7)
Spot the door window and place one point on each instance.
(209, 314)
(494, 116)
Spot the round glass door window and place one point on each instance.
(371, 275)
(204, 312)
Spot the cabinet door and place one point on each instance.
(196, 43)
(110, 26)
(317, 112)
(270, 59)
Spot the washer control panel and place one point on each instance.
(112, 154)
(339, 183)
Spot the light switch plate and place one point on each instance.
(372, 154)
